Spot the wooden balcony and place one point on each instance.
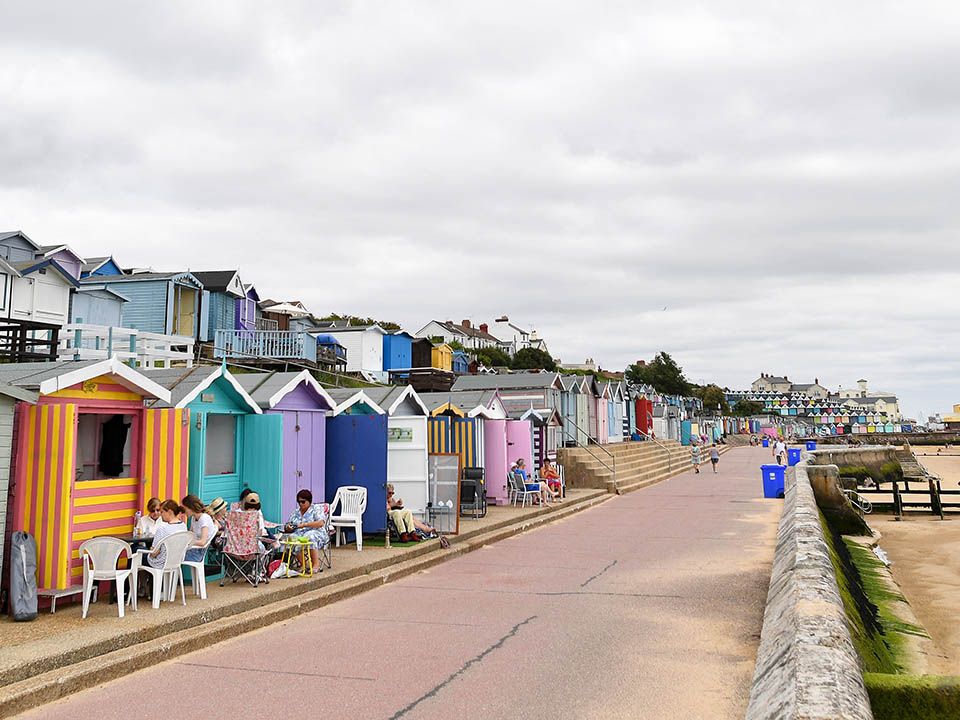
(136, 347)
(261, 345)
(28, 341)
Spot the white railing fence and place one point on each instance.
(273, 344)
(79, 341)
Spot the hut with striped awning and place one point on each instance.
(88, 456)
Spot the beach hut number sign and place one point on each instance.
(400, 434)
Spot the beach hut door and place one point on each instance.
(262, 464)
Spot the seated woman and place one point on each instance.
(201, 525)
(402, 518)
(170, 512)
(147, 527)
(539, 487)
(251, 502)
(550, 473)
(309, 521)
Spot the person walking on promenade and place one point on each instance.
(714, 458)
(780, 451)
(695, 458)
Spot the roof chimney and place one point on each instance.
(449, 322)
(465, 323)
(484, 328)
(816, 381)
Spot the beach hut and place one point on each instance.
(496, 461)
(421, 353)
(545, 428)
(40, 291)
(88, 456)
(406, 443)
(568, 409)
(303, 406)
(97, 305)
(397, 351)
(364, 345)
(520, 442)
(233, 445)
(441, 357)
(615, 412)
(165, 303)
(357, 453)
(222, 289)
(460, 362)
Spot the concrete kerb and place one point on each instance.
(807, 666)
(104, 664)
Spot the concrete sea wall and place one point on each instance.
(807, 666)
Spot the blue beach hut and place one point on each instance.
(357, 455)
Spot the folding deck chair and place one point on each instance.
(242, 556)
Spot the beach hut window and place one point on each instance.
(221, 456)
(104, 446)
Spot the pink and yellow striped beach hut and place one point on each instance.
(88, 455)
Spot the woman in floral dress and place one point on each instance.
(310, 521)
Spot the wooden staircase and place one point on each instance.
(638, 464)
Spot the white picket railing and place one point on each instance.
(79, 341)
(265, 344)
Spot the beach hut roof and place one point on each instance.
(268, 389)
(472, 403)
(91, 265)
(391, 397)
(145, 276)
(348, 397)
(225, 281)
(513, 380)
(26, 267)
(186, 384)
(49, 377)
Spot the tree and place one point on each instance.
(492, 357)
(357, 320)
(746, 408)
(456, 345)
(662, 373)
(533, 359)
(713, 395)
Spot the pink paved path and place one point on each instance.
(649, 606)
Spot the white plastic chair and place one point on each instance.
(351, 501)
(100, 556)
(198, 576)
(519, 488)
(171, 572)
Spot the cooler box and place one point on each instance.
(765, 442)
(793, 456)
(773, 477)
(811, 445)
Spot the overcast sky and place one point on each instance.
(772, 187)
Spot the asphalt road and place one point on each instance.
(648, 606)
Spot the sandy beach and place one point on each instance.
(926, 563)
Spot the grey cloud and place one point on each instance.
(782, 178)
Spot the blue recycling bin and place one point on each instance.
(765, 442)
(793, 456)
(773, 478)
(811, 445)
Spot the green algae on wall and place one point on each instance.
(877, 633)
(897, 697)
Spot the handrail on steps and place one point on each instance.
(660, 445)
(613, 458)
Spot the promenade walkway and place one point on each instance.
(649, 605)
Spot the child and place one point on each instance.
(714, 458)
